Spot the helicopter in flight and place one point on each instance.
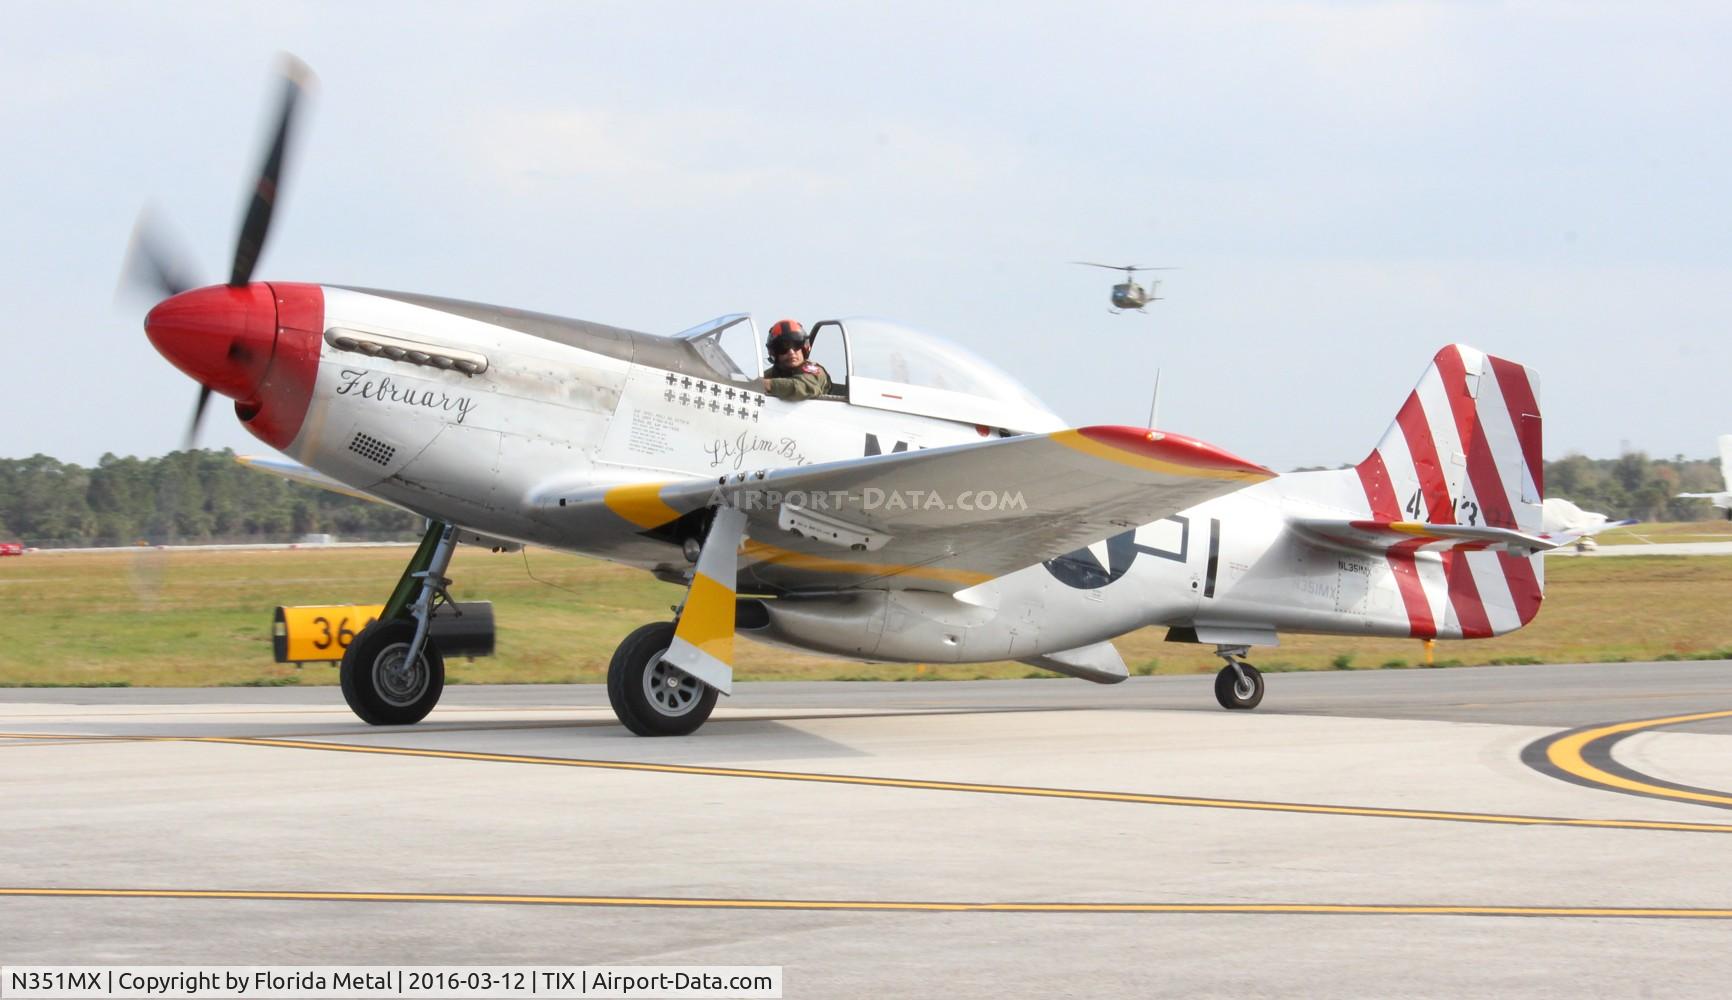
(1128, 294)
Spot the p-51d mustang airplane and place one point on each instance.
(928, 509)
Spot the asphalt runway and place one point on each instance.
(1536, 831)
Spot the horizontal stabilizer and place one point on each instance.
(1381, 536)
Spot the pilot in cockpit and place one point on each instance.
(792, 374)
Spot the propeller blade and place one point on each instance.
(251, 241)
(155, 261)
(197, 418)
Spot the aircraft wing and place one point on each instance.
(313, 477)
(301, 474)
(940, 519)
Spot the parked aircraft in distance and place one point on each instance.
(1565, 523)
(1722, 499)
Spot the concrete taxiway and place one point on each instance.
(1523, 830)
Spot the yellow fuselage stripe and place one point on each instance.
(761, 552)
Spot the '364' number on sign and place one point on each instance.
(340, 637)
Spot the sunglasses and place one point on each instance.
(785, 347)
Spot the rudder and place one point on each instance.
(1464, 448)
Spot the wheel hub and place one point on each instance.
(671, 690)
(399, 682)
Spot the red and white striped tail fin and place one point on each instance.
(1464, 449)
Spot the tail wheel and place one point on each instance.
(380, 684)
(652, 698)
(1234, 693)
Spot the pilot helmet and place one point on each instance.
(785, 333)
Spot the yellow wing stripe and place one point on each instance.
(1078, 441)
(707, 620)
(641, 504)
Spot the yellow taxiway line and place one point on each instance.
(1569, 754)
(1562, 754)
(1029, 791)
(1141, 798)
(895, 906)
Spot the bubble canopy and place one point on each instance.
(893, 366)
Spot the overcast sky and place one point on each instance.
(1346, 187)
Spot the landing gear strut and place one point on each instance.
(1239, 685)
(392, 675)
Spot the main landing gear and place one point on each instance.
(665, 676)
(651, 696)
(392, 675)
(1239, 685)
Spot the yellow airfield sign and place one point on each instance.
(322, 632)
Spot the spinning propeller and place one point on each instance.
(217, 358)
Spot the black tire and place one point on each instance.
(1231, 696)
(376, 687)
(649, 698)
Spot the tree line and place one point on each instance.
(190, 497)
(187, 497)
(1634, 485)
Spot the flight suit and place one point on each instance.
(809, 382)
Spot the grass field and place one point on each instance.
(203, 619)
